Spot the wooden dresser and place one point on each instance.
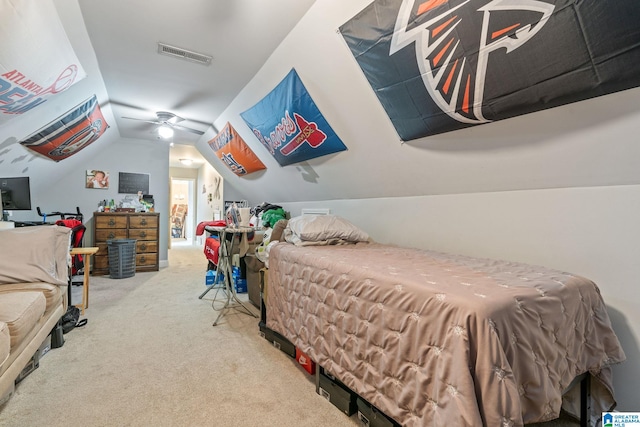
(143, 227)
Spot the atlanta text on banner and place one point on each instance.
(36, 58)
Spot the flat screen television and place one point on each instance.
(16, 193)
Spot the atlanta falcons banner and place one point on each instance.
(70, 133)
(234, 152)
(288, 123)
(442, 65)
(36, 58)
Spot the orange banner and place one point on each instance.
(234, 152)
(70, 133)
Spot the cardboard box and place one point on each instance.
(335, 392)
(305, 361)
(370, 416)
(209, 277)
(240, 285)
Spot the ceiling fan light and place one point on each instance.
(165, 131)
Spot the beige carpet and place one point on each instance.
(149, 356)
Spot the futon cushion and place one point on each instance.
(5, 343)
(21, 311)
(52, 293)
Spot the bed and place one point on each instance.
(439, 339)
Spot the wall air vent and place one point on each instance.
(316, 211)
(177, 52)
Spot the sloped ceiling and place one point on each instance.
(254, 44)
(239, 35)
(116, 43)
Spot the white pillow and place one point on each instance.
(321, 228)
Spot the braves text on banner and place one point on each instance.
(442, 65)
(289, 124)
(234, 152)
(36, 58)
(70, 133)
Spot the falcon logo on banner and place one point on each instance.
(69, 133)
(288, 123)
(36, 58)
(442, 65)
(234, 152)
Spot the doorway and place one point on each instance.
(182, 219)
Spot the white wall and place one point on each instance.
(63, 188)
(124, 155)
(583, 144)
(210, 194)
(559, 188)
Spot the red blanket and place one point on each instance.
(203, 224)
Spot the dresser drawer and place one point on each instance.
(143, 233)
(102, 235)
(146, 246)
(111, 222)
(102, 248)
(146, 260)
(143, 221)
(100, 262)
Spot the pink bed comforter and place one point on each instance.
(434, 339)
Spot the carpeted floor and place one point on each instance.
(149, 356)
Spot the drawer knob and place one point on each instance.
(143, 234)
(143, 260)
(143, 247)
(144, 221)
(112, 235)
(112, 221)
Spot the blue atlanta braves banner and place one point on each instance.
(442, 65)
(288, 123)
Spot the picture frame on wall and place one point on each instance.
(97, 179)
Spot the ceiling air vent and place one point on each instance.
(177, 52)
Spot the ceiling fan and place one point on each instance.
(168, 123)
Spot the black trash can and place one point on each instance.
(122, 258)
